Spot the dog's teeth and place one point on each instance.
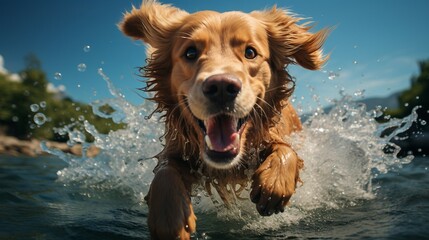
(208, 142)
(237, 140)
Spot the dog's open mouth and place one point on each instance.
(222, 135)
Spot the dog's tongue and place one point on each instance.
(222, 135)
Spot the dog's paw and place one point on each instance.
(177, 224)
(183, 229)
(189, 225)
(274, 181)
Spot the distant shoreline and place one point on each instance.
(13, 146)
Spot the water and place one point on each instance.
(42, 104)
(86, 48)
(81, 67)
(58, 76)
(34, 107)
(35, 205)
(39, 118)
(352, 189)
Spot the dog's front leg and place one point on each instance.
(170, 210)
(275, 180)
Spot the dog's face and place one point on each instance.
(219, 72)
(218, 67)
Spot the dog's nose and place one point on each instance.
(221, 88)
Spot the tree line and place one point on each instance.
(416, 95)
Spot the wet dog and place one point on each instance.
(220, 81)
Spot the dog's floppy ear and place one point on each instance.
(290, 42)
(152, 22)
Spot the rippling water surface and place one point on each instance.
(352, 188)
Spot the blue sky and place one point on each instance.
(375, 45)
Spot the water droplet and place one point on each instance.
(81, 67)
(359, 93)
(423, 122)
(406, 104)
(81, 118)
(87, 48)
(315, 97)
(43, 104)
(58, 76)
(355, 62)
(332, 75)
(34, 107)
(39, 118)
(355, 46)
(377, 113)
(417, 97)
(186, 157)
(15, 119)
(290, 85)
(78, 85)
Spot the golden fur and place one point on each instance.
(220, 77)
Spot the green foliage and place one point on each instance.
(416, 95)
(17, 119)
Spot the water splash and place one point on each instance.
(343, 151)
(117, 166)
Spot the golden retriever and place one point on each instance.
(220, 81)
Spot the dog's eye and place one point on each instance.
(250, 53)
(191, 53)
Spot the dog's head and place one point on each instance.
(217, 74)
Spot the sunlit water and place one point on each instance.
(351, 187)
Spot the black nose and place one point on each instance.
(221, 88)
